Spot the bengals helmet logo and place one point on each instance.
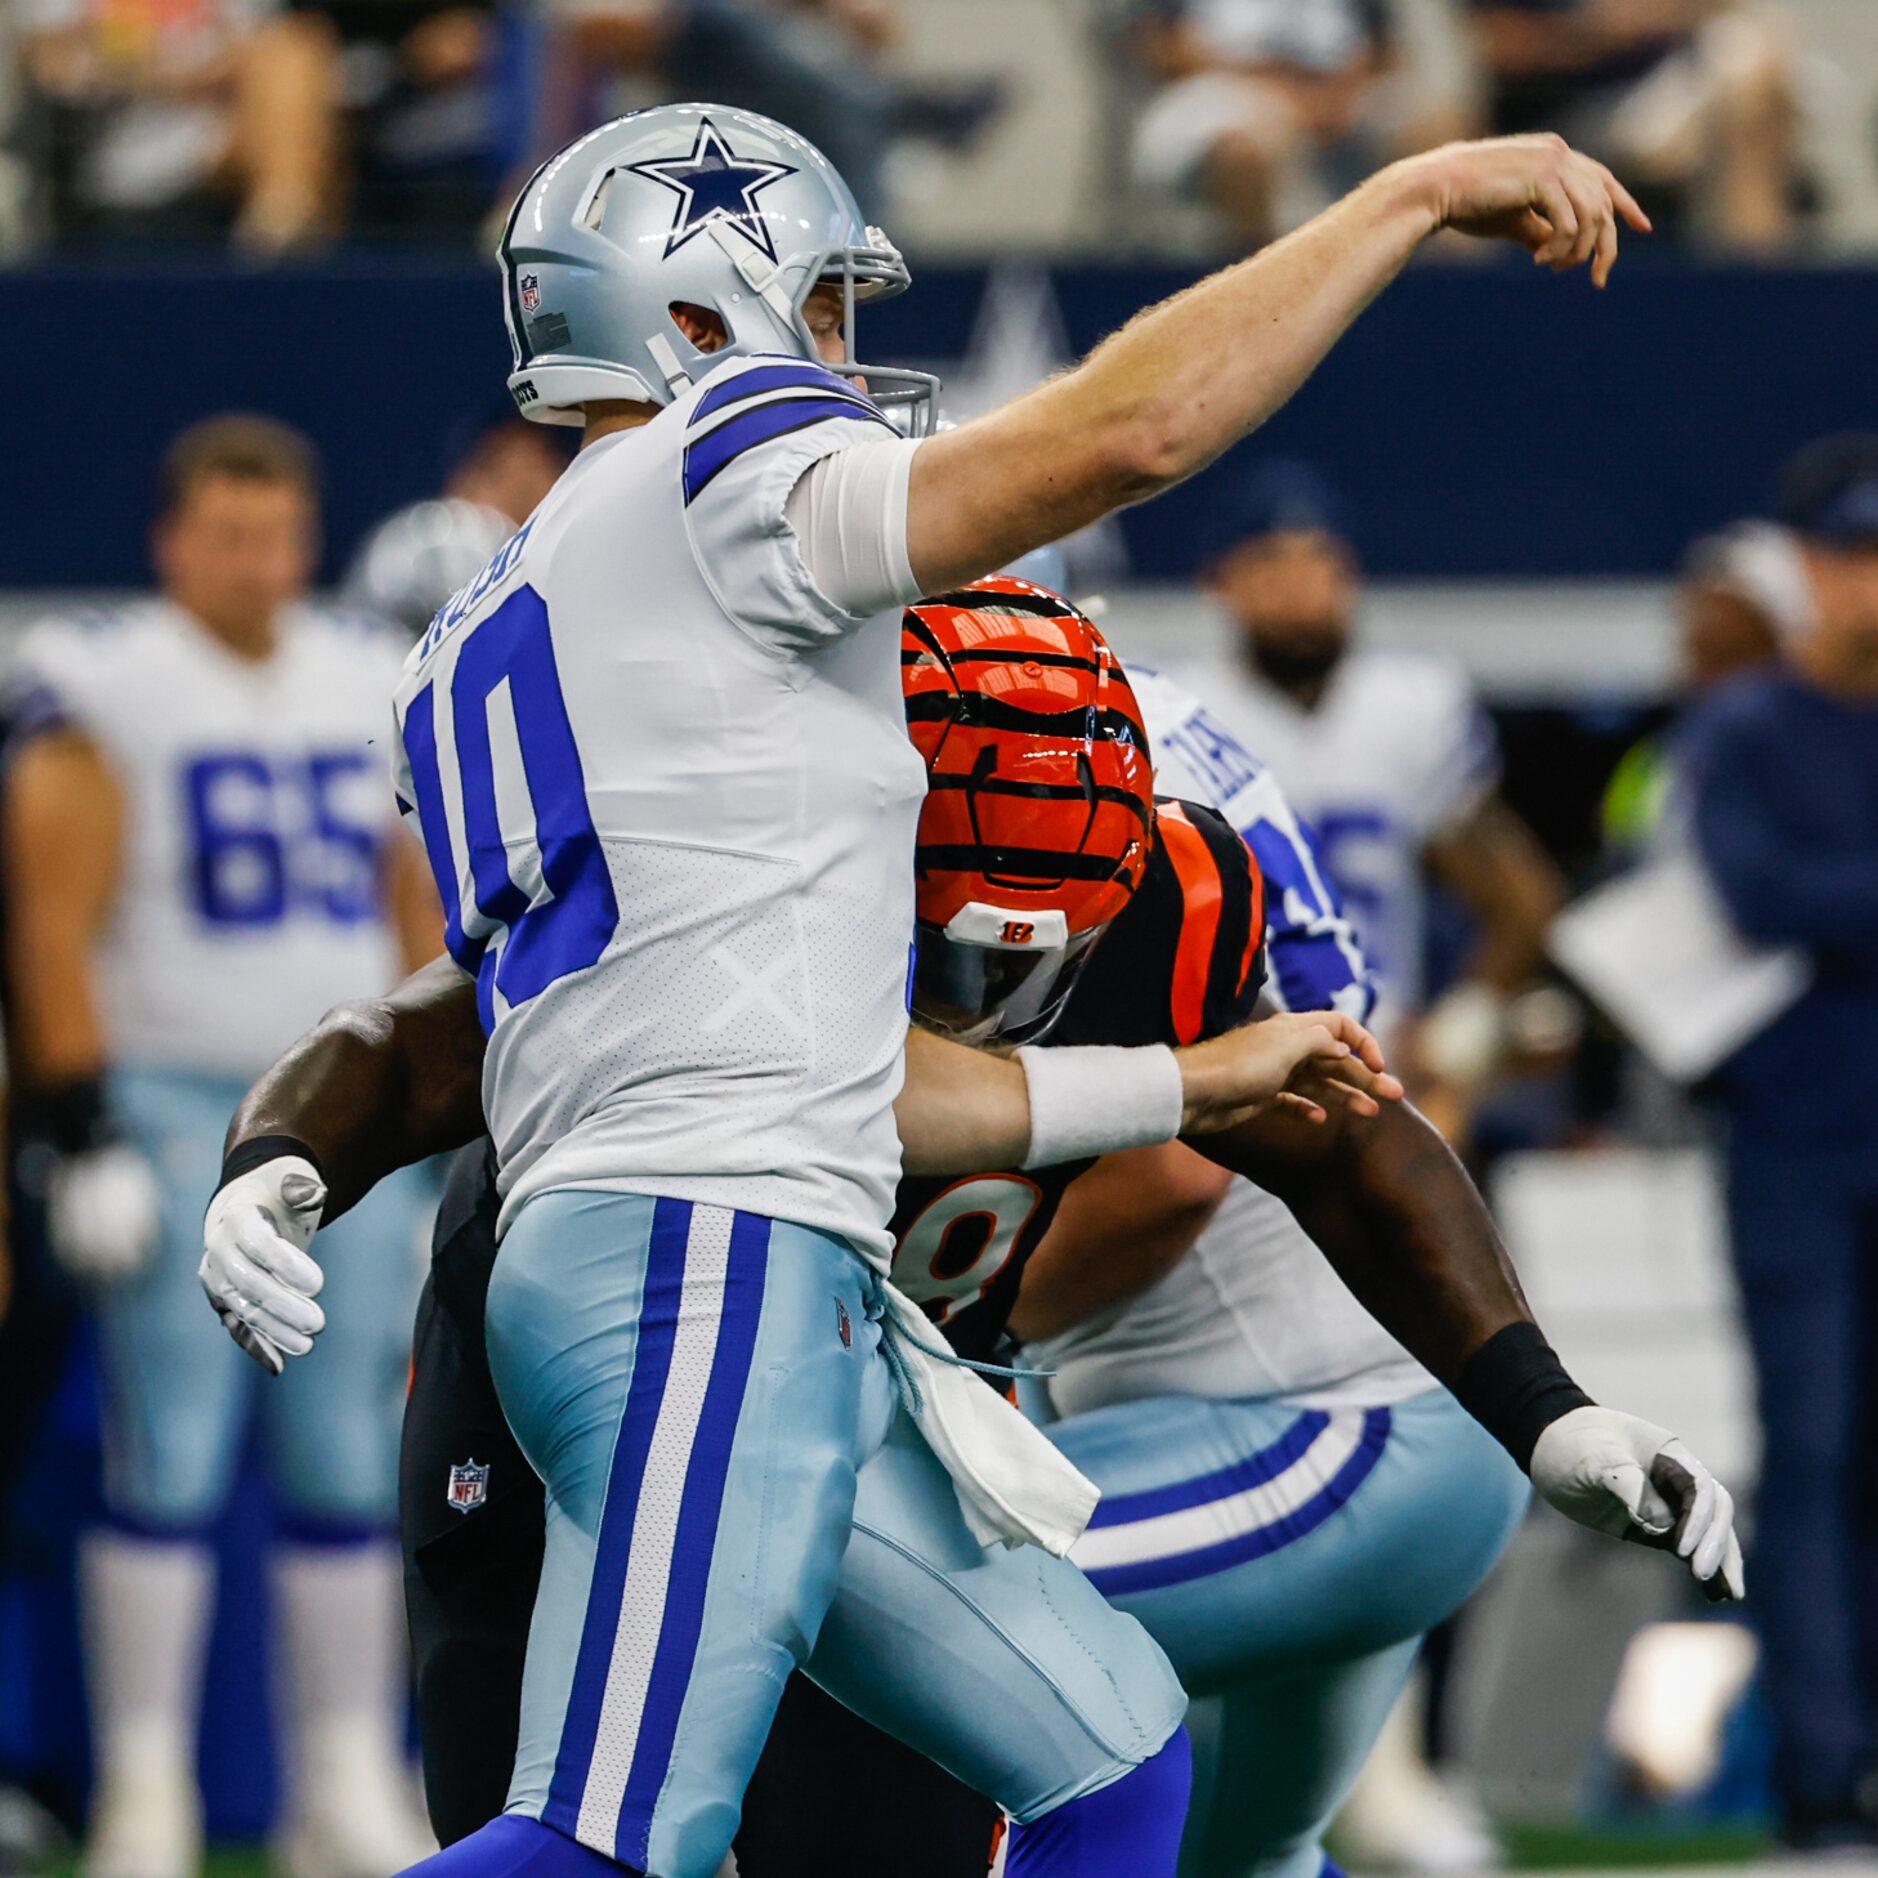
(1017, 932)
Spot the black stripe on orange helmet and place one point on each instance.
(1038, 823)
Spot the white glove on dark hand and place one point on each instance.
(255, 1266)
(104, 1213)
(1632, 1480)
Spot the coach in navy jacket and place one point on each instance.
(1782, 770)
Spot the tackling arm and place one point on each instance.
(379, 1084)
(1397, 1216)
(1119, 1229)
(375, 1086)
(1406, 1229)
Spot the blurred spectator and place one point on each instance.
(271, 120)
(1264, 109)
(1389, 757)
(817, 65)
(199, 858)
(177, 118)
(1690, 97)
(430, 109)
(1782, 772)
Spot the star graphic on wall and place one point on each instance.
(714, 184)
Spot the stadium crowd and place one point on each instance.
(282, 126)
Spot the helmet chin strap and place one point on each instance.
(764, 282)
(665, 357)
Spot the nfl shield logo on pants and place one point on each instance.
(469, 1485)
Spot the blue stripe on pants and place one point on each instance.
(1122, 1509)
(658, 1325)
(1177, 1567)
(697, 1528)
(645, 1459)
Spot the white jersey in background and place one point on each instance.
(251, 897)
(1255, 1309)
(1397, 751)
(668, 794)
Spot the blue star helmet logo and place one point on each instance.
(714, 184)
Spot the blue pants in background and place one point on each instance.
(1289, 1561)
(177, 1392)
(1805, 1238)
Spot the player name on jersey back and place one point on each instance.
(669, 799)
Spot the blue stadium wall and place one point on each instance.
(1485, 420)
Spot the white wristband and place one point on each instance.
(1090, 1099)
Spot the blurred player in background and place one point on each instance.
(1389, 758)
(1743, 595)
(199, 858)
(1780, 772)
(1290, 1500)
(500, 467)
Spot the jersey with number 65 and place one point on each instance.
(250, 898)
(669, 799)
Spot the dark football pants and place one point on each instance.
(832, 1796)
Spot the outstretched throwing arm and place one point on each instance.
(1187, 379)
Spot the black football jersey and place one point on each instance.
(1182, 961)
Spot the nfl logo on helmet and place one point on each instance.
(469, 1485)
(530, 285)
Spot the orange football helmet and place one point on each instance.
(1039, 812)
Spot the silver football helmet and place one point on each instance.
(413, 561)
(692, 203)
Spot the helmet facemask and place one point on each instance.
(975, 990)
(774, 318)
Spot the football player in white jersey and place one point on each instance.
(656, 752)
(1290, 1500)
(1389, 757)
(200, 857)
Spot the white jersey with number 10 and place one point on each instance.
(667, 791)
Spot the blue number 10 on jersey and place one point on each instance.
(547, 886)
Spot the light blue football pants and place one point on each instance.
(734, 1489)
(1289, 1562)
(177, 1392)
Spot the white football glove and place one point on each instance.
(104, 1213)
(255, 1266)
(1632, 1480)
